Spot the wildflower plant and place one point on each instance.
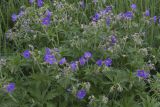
(67, 54)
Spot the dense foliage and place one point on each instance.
(80, 54)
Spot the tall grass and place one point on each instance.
(7, 7)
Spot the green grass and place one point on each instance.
(7, 7)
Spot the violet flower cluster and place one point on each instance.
(50, 58)
(134, 6)
(10, 87)
(98, 15)
(81, 94)
(40, 3)
(125, 16)
(107, 62)
(26, 54)
(142, 74)
(82, 60)
(15, 16)
(47, 19)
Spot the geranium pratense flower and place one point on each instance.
(133, 6)
(48, 13)
(128, 15)
(62, 61)
(108, 21)
(49, 58)
(142, 74)
(108, 9)
(48, 51)
(147, 13)
(26, 54)
(99, 62)
(40, 3)
(155, 19)
(108, 62)
(73, 66)
(14, 17)
(46, 21)
(96, 17)
(81, 94)
(87, 55)
(113, 39)
(10, 87)
(82, 61)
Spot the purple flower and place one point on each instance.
(142, 74)
(155, 19)
(10, 87)
(108, 21)
(96, 17)
(31, 1)
(82, 61)
(133, 6)
(108, 9)
(46, 21)
(113, 39)
(62, 61)
(128, 15)
(26, 54)
(40, 3)
(48, 51)
(99, 62)
(87, 55)
(147, 13)
(21, 13)
(105, 11)
(108, 62)
(49, 58)
(81, 94)
(73, 66)
(14, 17)
(48, 13)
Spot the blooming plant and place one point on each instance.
(72, 55)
